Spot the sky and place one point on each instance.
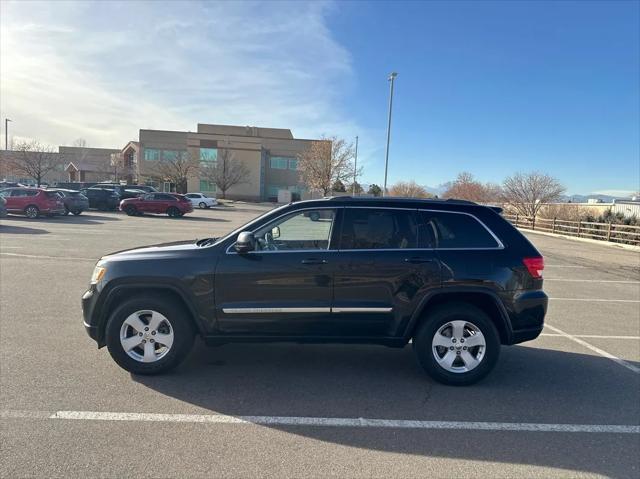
(491, 88)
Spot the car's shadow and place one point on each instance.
(529, 385)
(184, 218)
(88, 218)
(20, 230)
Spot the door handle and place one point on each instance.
(418, 260)
(314, 261)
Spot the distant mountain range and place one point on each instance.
(585, 198)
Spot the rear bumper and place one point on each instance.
(526, 312)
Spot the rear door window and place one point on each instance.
(371, 228)
(446, 230)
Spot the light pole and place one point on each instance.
(392, 77)
(6, 133)
(355, 169)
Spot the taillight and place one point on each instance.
(535, 266)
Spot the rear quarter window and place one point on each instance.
(456, 230)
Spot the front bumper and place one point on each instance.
(89, 300)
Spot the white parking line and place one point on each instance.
(18, 255)
(598, 300)
(601, 352)
(563, 266)
(592, 281)
(593, 336)
(324, 422)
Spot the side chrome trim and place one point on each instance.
(361, 310)
(274, 310)
(303, 310)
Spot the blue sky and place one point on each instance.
(486, 87)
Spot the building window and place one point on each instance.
(293, 164)
(208, 155)
(151, 154)
(170, 155)
(279, 162)
(207, 186)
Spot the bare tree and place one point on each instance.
(177, 169)
(528, 192)
(326, 162)
(466, 187)
(35, 160)
(225, 172)
(409, 189)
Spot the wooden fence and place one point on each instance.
(613, 232)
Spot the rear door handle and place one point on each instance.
(418, 260)
(314, 261)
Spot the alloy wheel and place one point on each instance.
(458, 346)
(32, 212)
(146, 336)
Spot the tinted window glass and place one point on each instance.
(365, 228)
(305, 230)
(455, 230)
(53, 194)
(31, 192)
(164, 197)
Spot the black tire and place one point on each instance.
(32, 212)
(131, 210)
(314, 216)
(77, 212)
(66, 211)
(173, 212)
(203, 205)
(180, 323)
(439, 317)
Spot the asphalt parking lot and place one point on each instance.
(564, 405)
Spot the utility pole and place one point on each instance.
(355, 169)
(391, 79)
(6, 133)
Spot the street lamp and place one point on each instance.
(6, 133)
(391, 79)
(355, 169)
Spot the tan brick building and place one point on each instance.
(269, 154)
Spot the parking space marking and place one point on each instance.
(593, 280)
(598, 300)
(593, 336)
(601, 352)
(563, 266)
(324, 422)
(34, 256)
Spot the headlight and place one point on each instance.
(98, 274)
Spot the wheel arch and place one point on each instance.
(485, 300)
(123, 292)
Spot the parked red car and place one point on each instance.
(33, 202)
(159, 203)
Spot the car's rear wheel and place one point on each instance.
(32, 212)
(66, 211)
(174, 212)
(77, 212)
(131, 210)
(202, 205)
(457, 344)
(149, 335)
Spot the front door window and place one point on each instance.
(301, 231)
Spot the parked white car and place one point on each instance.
(200, 200)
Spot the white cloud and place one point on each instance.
(618, 193)
(102, 71)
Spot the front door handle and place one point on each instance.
(418, 260)
(314, 261)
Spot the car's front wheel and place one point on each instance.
(457, 344)
(149, 335)
(32, 212)
(130, 210)
(203, 205)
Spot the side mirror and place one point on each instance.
(246, 242)
(275, 232)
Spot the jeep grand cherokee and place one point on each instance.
(452, 277)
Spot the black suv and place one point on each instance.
(453, 277)
(101, 198)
